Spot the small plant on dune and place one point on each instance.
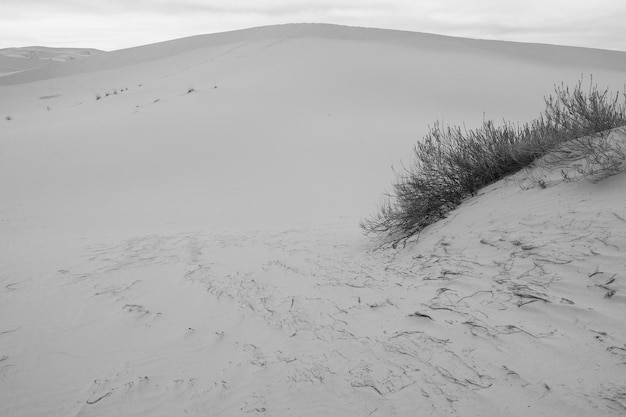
(98, 97)
(451, 164)
(592, 157)
(582, 123)
(8, 118)
(577, 113)
(190, 90)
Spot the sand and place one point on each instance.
(179, 235)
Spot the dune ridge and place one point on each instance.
(527, 52)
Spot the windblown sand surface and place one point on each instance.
(179, 235)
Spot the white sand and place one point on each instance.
(171, 253)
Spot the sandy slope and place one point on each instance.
(169, 253)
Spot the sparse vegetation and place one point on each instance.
(591, 157)
(113, 92)
(8, 118)
(190, 90)
(452, 163)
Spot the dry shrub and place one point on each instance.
(451, 164)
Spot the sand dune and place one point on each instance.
(179, 235)
(559, 56)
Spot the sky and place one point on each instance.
(117, 24)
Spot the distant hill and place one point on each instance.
(27, 58)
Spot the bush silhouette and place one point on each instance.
(453, 163)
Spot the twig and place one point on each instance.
(619, 217)
(511, 327)
(477, 292)
(473, 325)
(398, 334)
(95, 401)
(604, 242)
(486, 242)
(441, 307)
(418, 314)
(11, 331)
(616, 350)
(554, 261)
(358, 286)
(532, 297)
(597, 271)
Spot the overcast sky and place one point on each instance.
(116, 24)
